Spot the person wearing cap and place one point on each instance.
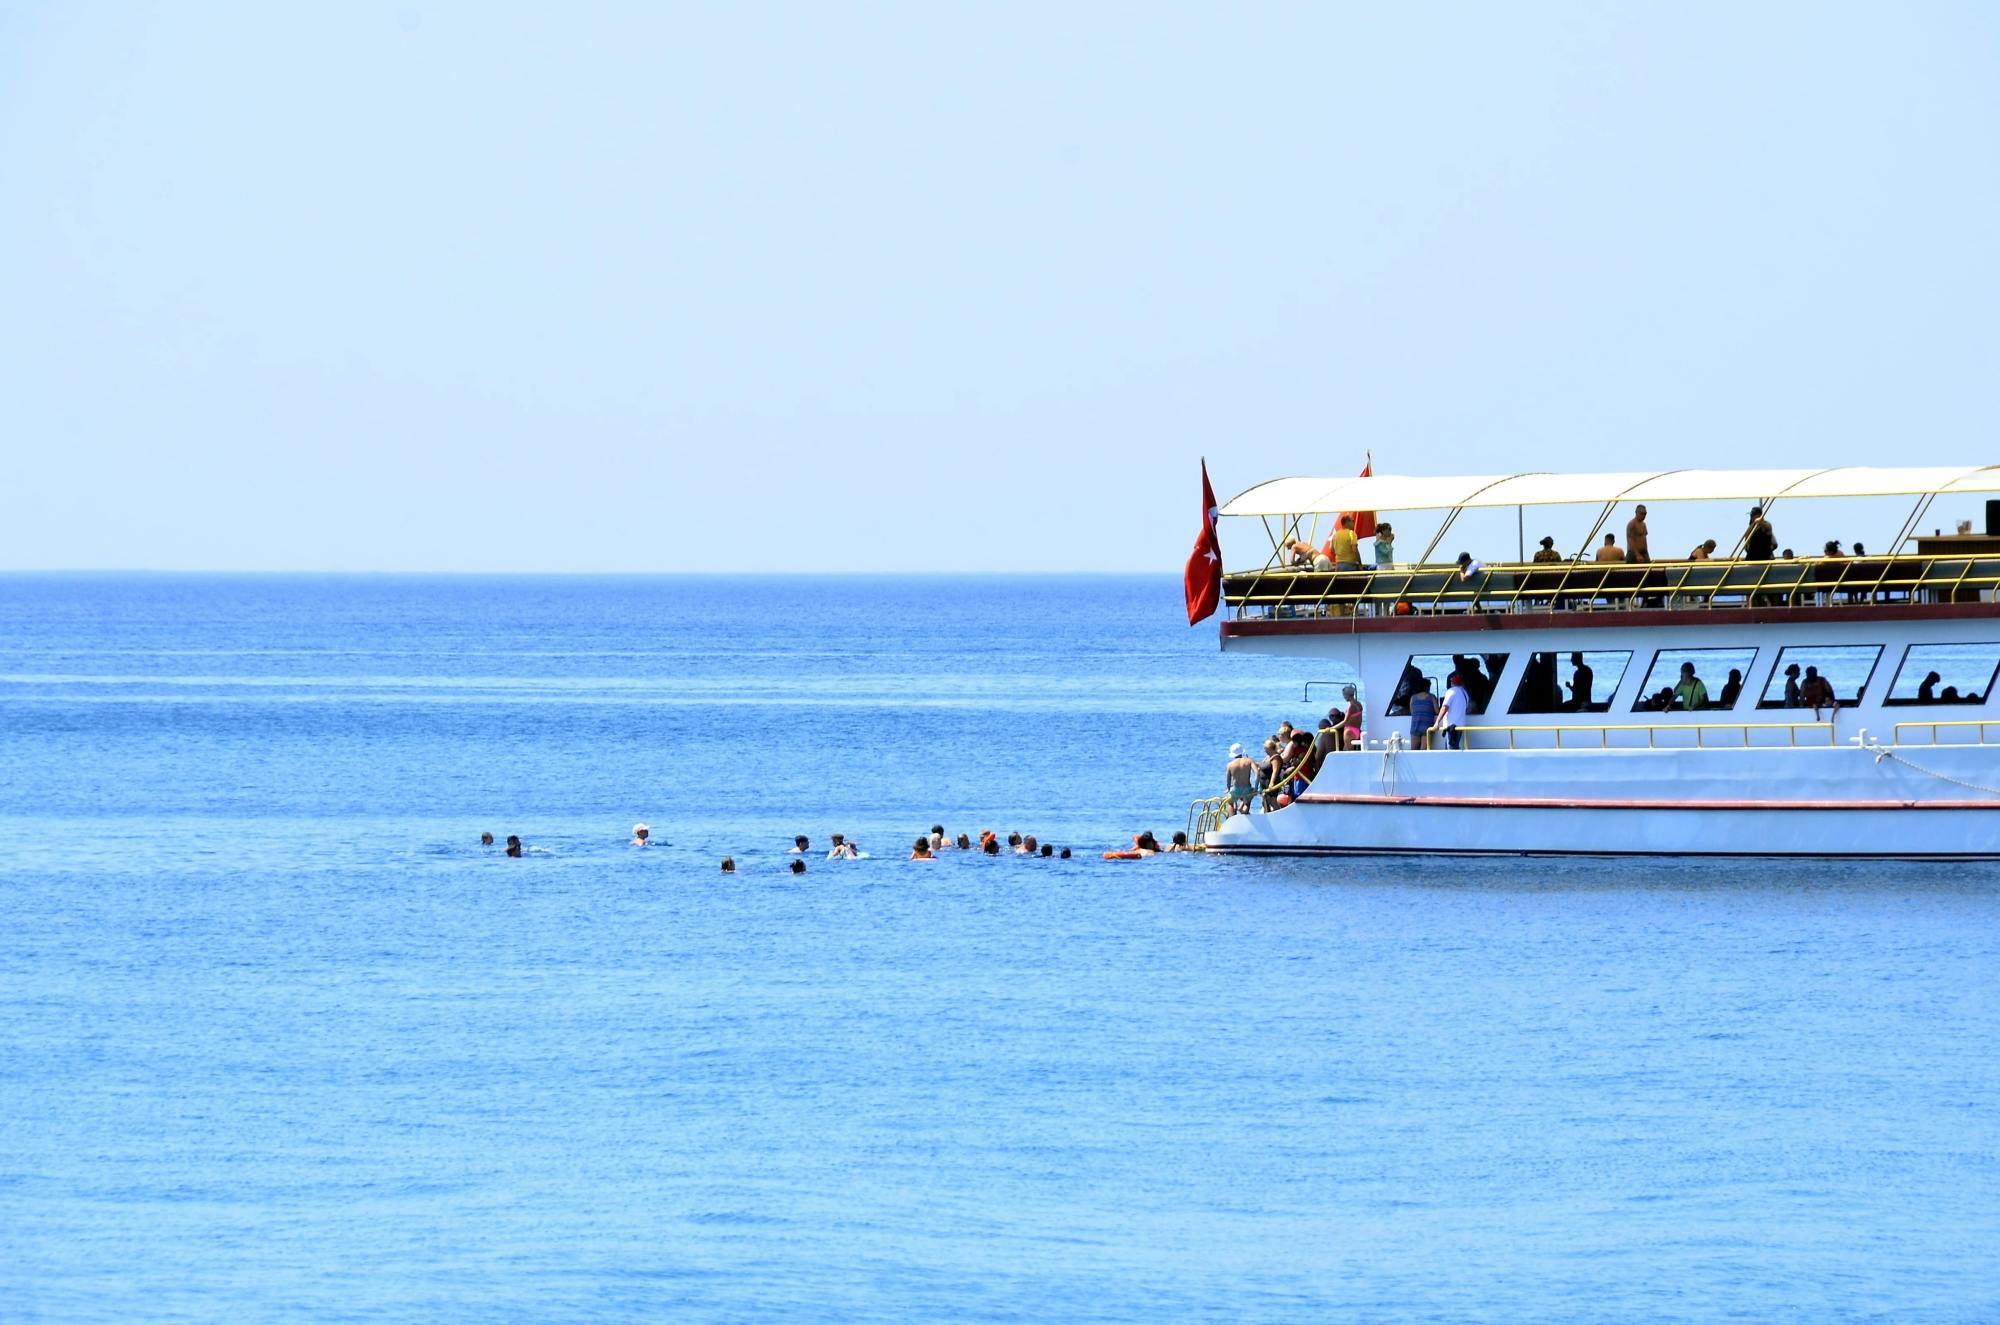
(640, 835)
(1548, 551)
(1241, 776)
(1452, 712)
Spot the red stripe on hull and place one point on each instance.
(1547, 803)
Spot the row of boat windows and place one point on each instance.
(1834, 675)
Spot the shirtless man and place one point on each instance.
(1240, 775)
(1635, 536)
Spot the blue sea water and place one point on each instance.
(280, 1041)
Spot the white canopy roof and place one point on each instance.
(1394, 492)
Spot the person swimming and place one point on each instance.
(964, 842)
(1048, 851)
(798, 867)
(921, 850)
(800, 845)
(992, 845)
(513, 846)
(641, 835)
(729, 864)
(486, 839)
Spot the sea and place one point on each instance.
(281, 1041)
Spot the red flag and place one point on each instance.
(1364, 521)
(1203, 580)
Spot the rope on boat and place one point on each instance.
(1882, 752)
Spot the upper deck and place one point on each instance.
(1924, 578)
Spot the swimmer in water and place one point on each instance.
(921, 850)
(1064, 853)
(937, 838)
(640, 834)
(1028, 845)
(839, 847)
(800, 845)
(1179, 843)
(964, 842)
(798, 867)
(1146, 844)
(513, 846)
(728, 864)
(992, 846)
(1048, 851)
(486, 839)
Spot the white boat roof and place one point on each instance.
(1401, 492)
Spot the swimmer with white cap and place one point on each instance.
(641, 835)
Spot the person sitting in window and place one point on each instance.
(1609, 550)
(1948, 695)
(1690, 695)
(1731, 689)
(1816, 692)
(1704, 552)
(1927, 688)
(1580, 682)
(1548, 551)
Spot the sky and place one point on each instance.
(945, 287)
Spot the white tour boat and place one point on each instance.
(1580, 737)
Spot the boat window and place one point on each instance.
(1570, 682)
(1478, 671)
(1845, 668)
(1719, 671)
(1946, 674)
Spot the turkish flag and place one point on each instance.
(1364, 521)
(1203, 580)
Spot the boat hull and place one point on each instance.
(1929, 803)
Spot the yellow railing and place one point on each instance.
(1276, 591)
(1652, 730)
(1977, 725)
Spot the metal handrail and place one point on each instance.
(1712, 584)
(1981, 724)
(1652, 730)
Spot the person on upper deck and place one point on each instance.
(1760, 543)
(1636, 548)
(1385, 545)
(1302, 554)
(1548, 551)
(1704, 552)
(1343, 547)
(1610, 551)
(1690, 695)
(1832, 549)
(1469, 567)
(1581, 680)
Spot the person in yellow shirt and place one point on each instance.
(1611, 551)
(1345, 550)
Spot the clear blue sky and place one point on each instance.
(830, 286)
